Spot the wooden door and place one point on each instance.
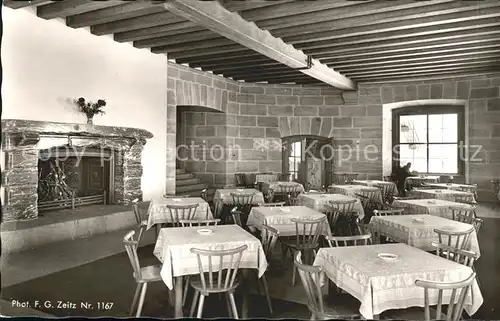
(95, 176)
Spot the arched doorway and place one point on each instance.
(308, 159)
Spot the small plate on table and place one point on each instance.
(240, 190)
(388, 257)
(286, 210)
(176, 199)
(204, 231)
(418, 220)
(431, 202)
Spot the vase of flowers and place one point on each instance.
(90, 109)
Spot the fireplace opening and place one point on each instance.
(69, 177)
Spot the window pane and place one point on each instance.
(413, 129)
(414, 154)
(296, 149)
(443, 128)
(443, 158)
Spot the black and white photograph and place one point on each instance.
(250, 159)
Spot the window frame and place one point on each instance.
(429, 110)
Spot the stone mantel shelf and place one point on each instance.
(21, 126)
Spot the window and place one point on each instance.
(429, 138)
(294, 158)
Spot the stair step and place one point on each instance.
(180, 171)
(179, 177)
(184, 182)
(188, 188)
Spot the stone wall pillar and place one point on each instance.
(132, 172)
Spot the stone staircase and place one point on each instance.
(186, 184)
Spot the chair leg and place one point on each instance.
(200, 306)
(266, 292)
(228, 304)
(139, 237)
(134, 301)
(293, 275)
(313, 317)
(233, 305)
(141, 300)
(193, 304)
(186, 288)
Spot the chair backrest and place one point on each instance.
(137, 212)
(283, 177)
(350, 177)
(276, 204)
(236, 214)
(388, 192)
(204, 195)
(462, 214)
(308, 232)
(453, 254)
(268, 235)
(459, 240)
(455, 307)
(226, 264)
(310, 277)
(242, 199)
(240, 179)
(469, 189)
(289, 190)
(131, 248)
(393, 211)
(181, 212)
(465, 199)
(368, 197)
(338, 241)
(477, 223)
(191, 223)
(343, 206)
(294, 201)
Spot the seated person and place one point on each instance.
(401, 174)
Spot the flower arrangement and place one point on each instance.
(90, 109)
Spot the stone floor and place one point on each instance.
(23, 266)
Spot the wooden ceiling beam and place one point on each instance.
(283, 78)
(248, 68)
(200, 52)
(420, 50)
(365, 63)
(173, 29)
(425, 9)
(408, 43)
(262, 73)
(418, 21)
(238, 63)
(249, 55)
(218, 19)
(422, 71)
(16, 4)
(427, 64)
(209, 43)
(177, 39)
(388, 71)
(250, 5)
(62, 9)
(430, 76)
(125, 11)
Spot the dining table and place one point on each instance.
(412, 181)
(417, 230)
(173, 250)
(373, 183)
(280, 218)
(354, 189)
(265, 178)
(158, 212)
(382, 276)
(223, 196)
(429, 206)
(317, 201)
(442, 194)
(276, 185)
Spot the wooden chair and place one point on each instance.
(294, 201)
(470, 189)
(453, 254)
(465, 199)
(459, 240)
(342, 218)
(454, 309)
(283, 177)
(243, 203)
(195, 223)
(222, 279)
(181, 212)
(306, 238)
(350, 177)
(142, 275)
(387, 191)
(142, 224)
(286, 192)
(369, 200)
(477, 223)
(240, 180)
(310, 277)
(268, 238)
(269, 196)
(389, 212)
(208, 197)
(276, 204)
(338, 241)
(464, 215)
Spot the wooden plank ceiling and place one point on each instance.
(366, 41)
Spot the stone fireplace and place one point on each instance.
(47, 161)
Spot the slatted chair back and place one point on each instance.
(477, 223)
(469, 189)
(137, 212)
(287, 190)
(268, 235)
(308, 231)
(294, 201)
(455, 307)
(453, 254)
(194, 223)
(240, 179)
(181, 212)
(459, 240)
(275, 204)
(242, 199)
(236, 214)
(131, 248)
(350, 177)
(338, 208)
(465, 199)
(338, 241)
(310, 277)
(283, 177)
(218, 269)
(387, 191)
(389, 212)
(269, 196)
(204, 195)
(462, 214)
(368, 198)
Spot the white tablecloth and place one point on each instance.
(452, 186)
(280, 218)
(223, 196)
(381, 285)
(173, 249)
(409, 182)
(276, 186)
(372, 183)
(158, 213)
(352, 190)
(442, 194)
(429, 206)
(404, 229)
(318, 201)
(265, 178)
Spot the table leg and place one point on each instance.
(246, 291)
(178, 296)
